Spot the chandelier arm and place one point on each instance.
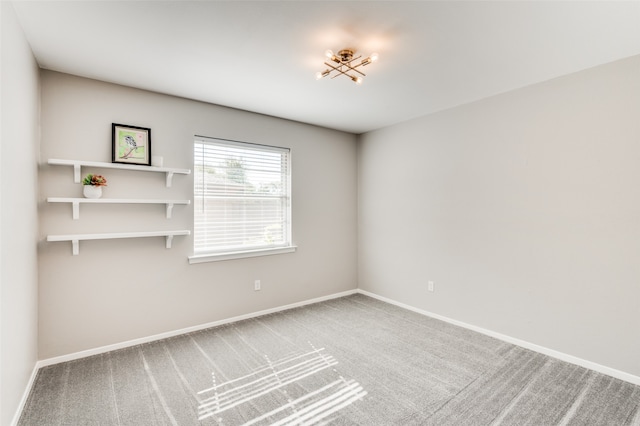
(349, 68)
(340, 72)
(352, 77)
(337, 69)
(331, 66)
(354, 69)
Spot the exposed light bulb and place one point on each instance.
(320, 75)
(369, 60)
(328, 53)
(357, 80)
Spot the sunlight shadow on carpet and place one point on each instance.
(310, 385)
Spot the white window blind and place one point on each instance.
(242, 196)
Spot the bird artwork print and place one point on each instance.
(131, 143)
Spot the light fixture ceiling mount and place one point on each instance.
(343, 64)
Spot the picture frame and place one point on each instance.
(130, 144)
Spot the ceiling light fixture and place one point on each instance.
(343, 64)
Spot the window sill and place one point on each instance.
(202, 258)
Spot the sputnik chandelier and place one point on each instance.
(343, 64)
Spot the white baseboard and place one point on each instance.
(134, 342)
(546, 351)
(522, 343)
(25, 396)
(129, 343)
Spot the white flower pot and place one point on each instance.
(91, 191)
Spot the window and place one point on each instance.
(242, 200)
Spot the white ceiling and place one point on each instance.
(262, 56)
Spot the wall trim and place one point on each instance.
(627, 377)
(25, 395)
(155, 337)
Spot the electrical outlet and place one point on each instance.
(256, 285)
(430, 286)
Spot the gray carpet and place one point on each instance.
(348, 361)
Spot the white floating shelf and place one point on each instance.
(75, 202)
(77, 165)
(76, 238)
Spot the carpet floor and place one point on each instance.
(348, 361)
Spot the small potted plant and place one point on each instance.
(92, 185)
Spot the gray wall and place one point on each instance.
(524, 210)
(118, 290)
(18, 214)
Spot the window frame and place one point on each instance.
(239, 253)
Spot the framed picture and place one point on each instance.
(131, 144)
